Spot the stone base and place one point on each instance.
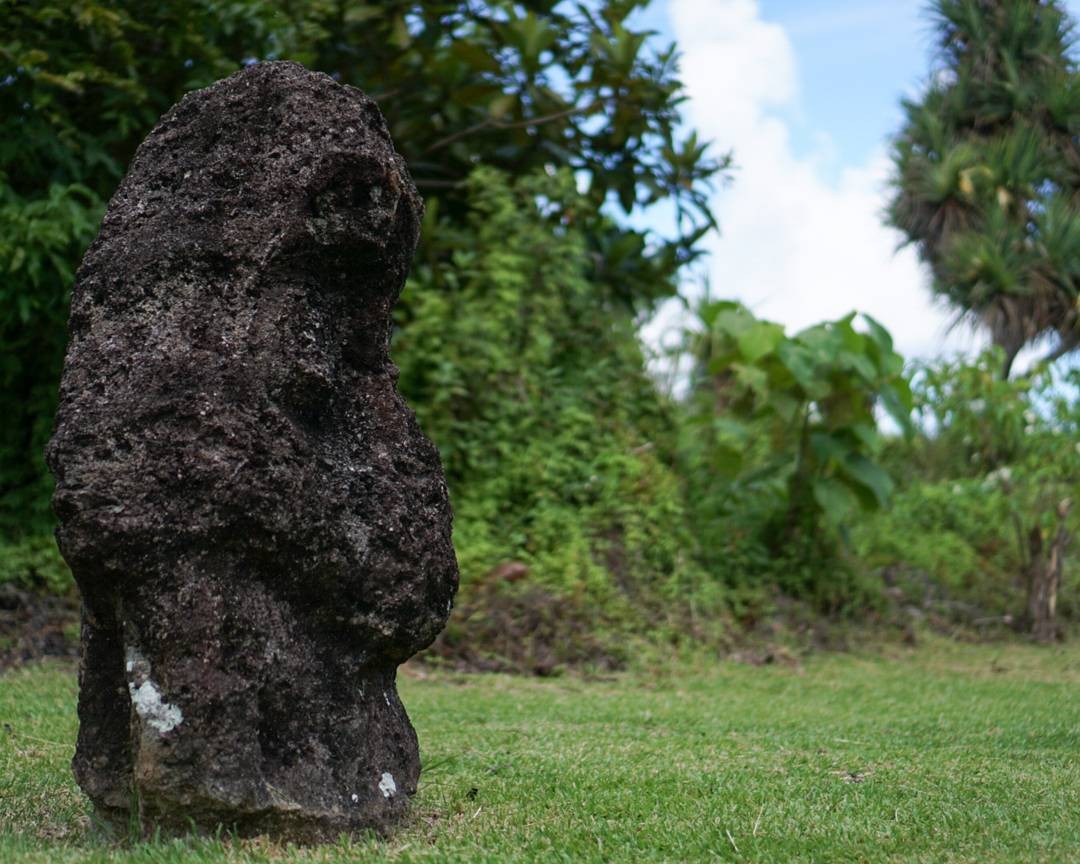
(252, 729)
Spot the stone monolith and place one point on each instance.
(259, 530)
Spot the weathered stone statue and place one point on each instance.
(258, 527)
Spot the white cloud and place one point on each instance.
(795, 247)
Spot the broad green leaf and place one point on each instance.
(732, 319)
(789, 410)
(827, 448)
(866, 435)
(859, 363)
(732, 430)
(799, 361)
(835, 500)
(869, 476)
(897, 402)
(759, 339)
(752, 378)
(882, 338)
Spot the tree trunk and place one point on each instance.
(1011, 350)
(1044, 577)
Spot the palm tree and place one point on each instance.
(987, 179)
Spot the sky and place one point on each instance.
(806, 93)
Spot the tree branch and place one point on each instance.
(491, 123)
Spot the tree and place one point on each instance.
(521, 86)
(528, 86)
(987, 179)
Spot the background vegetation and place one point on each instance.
(794, 477)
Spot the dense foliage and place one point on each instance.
(525, 87)
(985, 491)
(557, 447)
(987, 182)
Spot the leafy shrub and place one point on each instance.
(557, 446)
(994, 463)
(780, 445)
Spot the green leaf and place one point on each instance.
(866, 435)
(827, 448)
(799, 361)
(732, 430)
(896, 399)
(868, 477)
(753, 379)
(858, 363)
(759, 339)
(881, 337)
(502, 105)
(834, 498)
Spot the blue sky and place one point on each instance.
(807, 93)
(851, 94)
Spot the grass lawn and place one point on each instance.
(949, 753)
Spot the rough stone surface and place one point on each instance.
(258, 527)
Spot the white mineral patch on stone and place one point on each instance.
(355, 798)
(151, 708)
(155, 711)
(387, 785)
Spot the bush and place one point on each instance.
(557, 445)
(779, 447)
(992, 468)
